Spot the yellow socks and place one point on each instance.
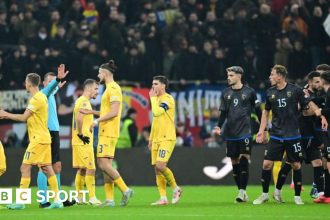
(25, 182)
(53, 184)
(161, 185)
(79, 183)
(169, 177)
(109, 191)
(90, 184)
(276, 170)
(121, 184)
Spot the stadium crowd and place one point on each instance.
(187, 39)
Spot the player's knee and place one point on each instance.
(57, 167)
(25, 170)
(267, 165)
(101, 164)
(296, 165)
(317, 163)
(2, 171)
(160, 166)
(90, 172)
(234, 160)
(44, 170)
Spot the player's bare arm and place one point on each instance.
(114, 112)
(261, 135)
(16, 117)
(88, 111)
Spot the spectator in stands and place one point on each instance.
(184, 137)
(209, 139)
(4, 29)
(143, 140)
(11, 139)
(14, 68)
(42, 11)
(91, 62)
(113, 36)
(34, 64)
(135, 68)
(41, 41)
(128, 131)
(54, 23)
(152, 37)
(295, 17)
(317, 36)
(75, 13)
(283, 50)
(299, 61)
(264, 26)
(28, 27)
(216, 67)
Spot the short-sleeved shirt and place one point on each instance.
(238, 104)
(285, 111)
(82, 103)
(163, 126)
(112, 93)
(37, 123)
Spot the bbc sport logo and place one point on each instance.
(24, 196)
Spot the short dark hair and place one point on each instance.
(323, 67)
(49, 74)
(326, 77)
(235, 69)
(162, 79)
(280, 70)
(33, 78)
(313, 74)
(110, 66)
(89, 82)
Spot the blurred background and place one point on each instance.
(192, 42)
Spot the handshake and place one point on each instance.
(83, 138)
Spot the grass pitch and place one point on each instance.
(197, 202)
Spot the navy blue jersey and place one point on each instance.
(285, 111)
(308, 124)
(238, 104)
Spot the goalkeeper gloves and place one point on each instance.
(83, 138)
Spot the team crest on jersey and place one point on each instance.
(243, 97)
(289, 94)
(229, 97)
(273, 96)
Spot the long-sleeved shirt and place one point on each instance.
(50, 90)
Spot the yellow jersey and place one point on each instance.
(37, 123)
(82, 103)
(163, 111)
(112, 93)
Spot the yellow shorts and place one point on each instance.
(2, 160)
(38, 154)
(106, 147)
(161, 151)
(83, 157)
